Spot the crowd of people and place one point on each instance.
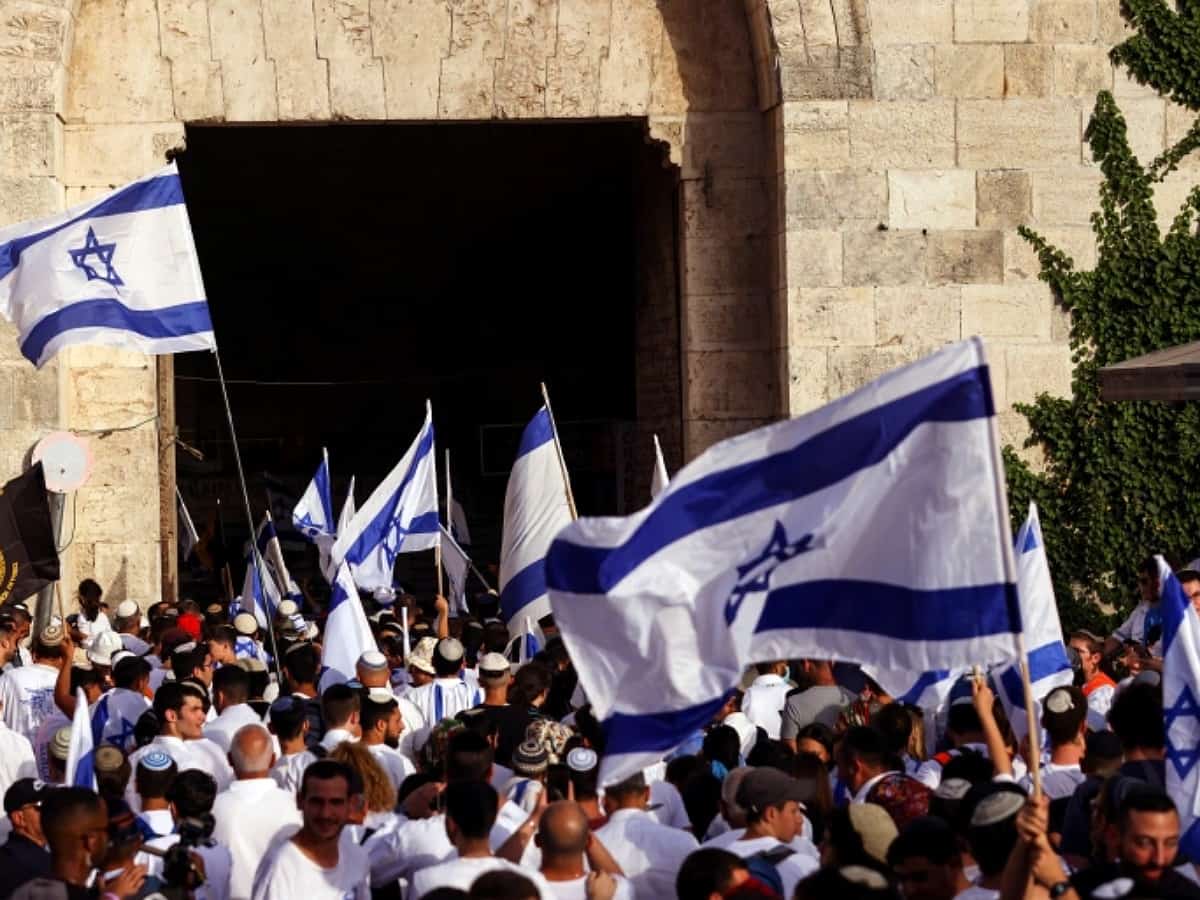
(227, 762)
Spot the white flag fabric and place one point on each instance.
(1049, 666)
(259, 594)
(871, 530)
(457, 565)
(458, 523)
(347, 631)
(535, 510)
(325, 542)
(660, 479)
(188, 538)
(346, 516)
(401, 516)
(80, 770)
(121, 270)
(1181, 709)
(313, 514)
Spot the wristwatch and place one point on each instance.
(1059, 889)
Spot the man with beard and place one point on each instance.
(382, 726)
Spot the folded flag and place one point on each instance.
(1181, 709)
(347, 631)
(121, 270)
(872, 530)
(80, 768)
(28, 555)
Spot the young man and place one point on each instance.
(774, 818)
(128, 624)
(1097, 687)
(27, 693)
(819, 698)
(373, 671)
(153, 777)
(926, 861)
(301, 665)
(314, 864)
(191, 797)
(381, 730)
(231, 691)
(289, 724)
(447, 695)
(1144, 624)
(865, 767)
(495, 712)
(341, 708)
(1064, 716)
(117, 711)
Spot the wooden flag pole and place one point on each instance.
(1031, 718)
(562, 462)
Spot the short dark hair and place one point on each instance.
(233, 682)
(963, 719)
(170, 695)
(819, 732)
(991, 845)
(707, 872)
(472, 807)
(339, 703)
(129, 670)
(927, 836)
(223, 634)
(90, 589)
(60, 810)
(469, 757)
(866, 745)
(82, 678)
(288, 721)
(373, 713)
(327, 770)
(185, 661)
(531, 680)
(895, 724)
(1145, 799)
(722, 744)
(302, 663)
(1136, 717)
(502, 885)
(1187, 575)
(155, 782)
(193, 793)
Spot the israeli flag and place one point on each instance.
(80, 770)
(263, 591)
(313, 515)
(660, 479)
(346, 516)
(873, 530)
(347, 631)
(457, 565)
(458, 523)
(1049, 666)
(1181, 711)
(928, 692)
(121, 271)
(400, 517)
(535, 510)
(115, 717)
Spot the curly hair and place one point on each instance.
(377, 789)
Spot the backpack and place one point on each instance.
(765, 866)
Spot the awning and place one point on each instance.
(1172, 375)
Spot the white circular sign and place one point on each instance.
(66, 460)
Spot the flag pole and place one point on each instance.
(562, 462)
(255, 556)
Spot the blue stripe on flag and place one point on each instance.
(536, 433)
(1046, 660)
(927, 680)
(1031, 542)
(523, 588)
(907, 614)
(165, 190)
(85, 770)
(104, 312)
(100, 721)
(822, 460)
(656, 732)
(426, 523)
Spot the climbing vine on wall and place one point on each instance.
(1122, 480)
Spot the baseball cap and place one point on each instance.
(768, 786)
(25, 792)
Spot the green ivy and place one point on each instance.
(1120, 479)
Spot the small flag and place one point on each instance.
(313, 515)
(80, 770)
(188, 538)
(401, 516)
(29, 556)
(120, 271)
(871, 530)
(660, 479)
(1181, 706)
(458, 523)
(347, 631)
(535, 510)
(457, 565)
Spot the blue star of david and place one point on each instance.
(121, 739)
(103, 252)
(1184, 759)
(754, 577)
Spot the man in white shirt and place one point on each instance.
(764, 699)
(1064, 716)
(127, 624)
(27, 692)
(373, 671)
(191, 796)
(314, 864)
(447, 695)
(340, 708)
(153, 777)
(90, 621)
(774, 818)
(231, 690)
(254, 812)
(569, 852)
(648, 852)
(180, 709)
(116, 713)
(289, 724)
(1144, 624)
(16, 758)
(381, 728)
(471, 808)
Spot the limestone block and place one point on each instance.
(1113, 29)
(35, 396)
(813, 258)
(343, 28)
(122, 458)
(883, 257)
(7, 410)
(33, 30)
(1028, 70)
(840, 316)
(970, 70)
(115, 154)
(733, 384)
(129, 571)
(110, 398)
(1001, 21)
(10, 350)
(820, 26)
(931, 198)
(904, 72)
(852, 367)
(833, 199)
(16, 444)
(1081, 70)
(236, 29)
(723, 267)
(1014, 431)
(30, 85)
(966, 257)
(1066, 196)
(28, 197)
(914, 135)
(248, 89)
(1009, 313)
(727, 322)
(573, 74)
(30, 144)
(724, 207)
(467, 87)
(1021, 262)
(816, 134)
(302, 90)
(1125, 85)
(88, 356)
(917, 315)
(700, 434)
(1170, 196)
(183, 30)
(995, 134)
(1145, 122)
(1179, 120)
(731, 143)
(905, 22)
(702, 60)
(808, 379)
(290, 31)
(839, 74)
(196, 89)
(1064, 21)
(1060, 324)
(356, 88)
(1037, 369)
(1003, 198)
(627, 71)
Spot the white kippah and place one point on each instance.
(286, 608)
(245, 623)
(373, 661)
(1059, 701)
(380, 695)
(996, 808)
(127, 609)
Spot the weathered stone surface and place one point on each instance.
(813, 257)
(913, 135)
(302, 89)
(30, 144)
(931, 198)
(905, 22)
(1066, 196)
(816, 134)
(1010, 313)
(8, 418)
(700, 434)
(110, 397)
(1063, 21)
(626, 72)
(995, 134)
(356, 88)
(917, 315)
(904, 72)
(724, 207)
(1021, 262)
(1170, 196)
(343, 28)
(834, 199)
(720, 266)
(236, 29)
(411, 37)
(734, 384)
(1081, 70)
(115, 154)
(1145, 121)
(729, 143)
(1038, 369)
(986, 21)
(127, 571)
(573, 75)
(1125, 85)
(808, 379)
(852, 367)
(970, 70)
(196, 90)
(30, 86)
(28, 197)
(1179, 120)
(883, 257)
(35, 396)
(33, 30)
(823, 317)
(840, 74)
(1028, 70)
(117, 510)
(1003, 198)
(1113, 29)
(701, 61)
(529, 44)
(727, 322)
(966, 257)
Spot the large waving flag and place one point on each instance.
(535, 510)
(1048, 663)
(401, 516)
(347, 631)
(80, 770)
(1181, 709)
(872, 530)
(121, 271)
(313, 515)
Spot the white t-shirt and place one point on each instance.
(89, 630)
(1057, 781)
(16, 758)
(791, 869)
(763, 703)
(250, 817)
(395, 764)
(290, 769)
(287, 874)
(975, 892)
(27, 697)
(461, 874)
(222, 729)
(200, 754)
(576, 889)
(650, 854)
(217, 865)
(442, 698)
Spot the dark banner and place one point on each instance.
(28, 556)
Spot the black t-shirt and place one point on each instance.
(1171, 886)
(21, 860)
(510, 722)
